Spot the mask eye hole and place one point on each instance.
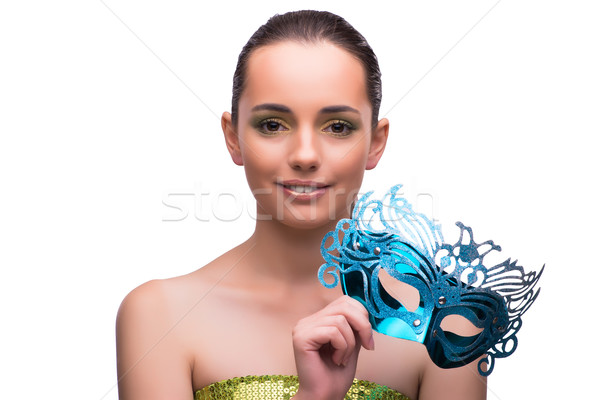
(459, 325)
(404, 294)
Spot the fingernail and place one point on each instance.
(372, 343)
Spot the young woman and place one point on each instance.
(304, 125)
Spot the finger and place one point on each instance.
(353, 358)
(315, 340)
(361, 323)
(341, 323)
(357, 316)
(328, 335)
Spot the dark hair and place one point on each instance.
(311, 26)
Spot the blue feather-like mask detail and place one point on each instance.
(387, 239)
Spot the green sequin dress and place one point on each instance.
(284, 387)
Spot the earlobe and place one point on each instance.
(378, 142)
(231, 138)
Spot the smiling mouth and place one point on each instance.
(303, 188)
(300, 188)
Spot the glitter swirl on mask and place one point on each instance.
(452, 279)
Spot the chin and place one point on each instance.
(307, 225)
(305, 220)
(304, 214)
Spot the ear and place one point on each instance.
(231, 138)
(378, 141)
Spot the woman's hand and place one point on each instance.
(326, 347)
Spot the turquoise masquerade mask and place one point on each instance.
(386, 241)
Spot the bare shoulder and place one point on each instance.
(151, 364)
(145, 307)
(142, 299)
(461, 383)
(163, 299)
(158, 328)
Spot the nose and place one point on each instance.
(304, 152)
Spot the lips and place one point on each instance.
(303, 189)
(300, 189)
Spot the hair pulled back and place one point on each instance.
(310, 26)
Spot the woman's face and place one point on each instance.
(304, 134)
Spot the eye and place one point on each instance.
(339, 128)
(271, 126)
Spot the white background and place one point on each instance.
(108, 109)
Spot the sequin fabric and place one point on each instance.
(284, 387)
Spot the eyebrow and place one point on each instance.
(284, 109)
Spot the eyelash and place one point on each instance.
(260, 128)
(350, 128)
(346, 124)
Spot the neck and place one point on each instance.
(288, 254)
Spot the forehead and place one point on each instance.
(304, 76)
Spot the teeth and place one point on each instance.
(301, 189)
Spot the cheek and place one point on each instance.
(258, 169)
(350, 161)
(349, 169)
(262, 161)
